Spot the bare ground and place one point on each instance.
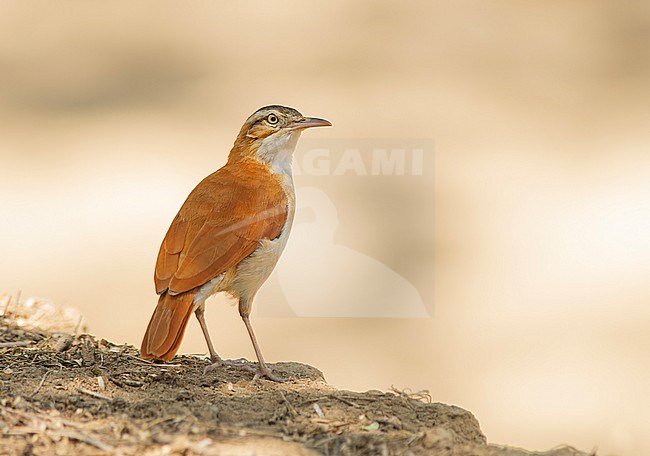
(62, 393)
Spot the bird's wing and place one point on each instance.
(220, 224)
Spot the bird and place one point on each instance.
(228, 235)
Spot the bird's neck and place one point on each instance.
(276, 152)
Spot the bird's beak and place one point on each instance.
(309, 122)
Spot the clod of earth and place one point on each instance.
(74, 394)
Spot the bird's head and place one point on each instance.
(270, 134)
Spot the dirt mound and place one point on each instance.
(73, 394)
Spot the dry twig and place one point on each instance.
(6, 308)
(85, 438)
(40, 385)
(422, 395)
(18, 343)
(290, 407)
(94, 394)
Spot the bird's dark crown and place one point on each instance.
(283, 112)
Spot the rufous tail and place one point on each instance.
(167, 326)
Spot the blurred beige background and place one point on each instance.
(527, 236)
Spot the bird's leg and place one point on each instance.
(263, 370)
(215, 359)
(200, 315)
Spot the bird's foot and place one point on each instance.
(265, 372)
(240, 363)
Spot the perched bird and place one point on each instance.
(229, 234)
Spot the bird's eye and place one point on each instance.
(272, 119)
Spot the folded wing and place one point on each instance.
(221, 223)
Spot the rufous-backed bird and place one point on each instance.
(229, 233)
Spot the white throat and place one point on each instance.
(277, 151)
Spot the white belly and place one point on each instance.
(253, 271)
